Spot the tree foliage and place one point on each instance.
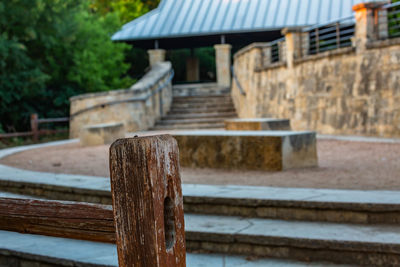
(51, 50)
(127, 9)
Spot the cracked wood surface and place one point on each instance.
(147, 202)
(58, 218)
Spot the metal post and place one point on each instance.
(222, 39)
(160, 101)
(337, 35)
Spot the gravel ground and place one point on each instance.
(342, 164)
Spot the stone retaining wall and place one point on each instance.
(337, 92)
(137, 108)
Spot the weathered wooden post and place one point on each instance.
(35, 126)
(147, 202)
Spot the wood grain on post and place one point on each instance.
(58, 218)
(147, 202)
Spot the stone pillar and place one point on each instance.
(192, 69)
(293, 39)
(156, 55)
(367, 27)
(266, 56)
(383, 27)
(282, 51)
(305, 44)
(223, 64)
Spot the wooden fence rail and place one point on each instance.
(74, 220)
(35, 131)
(146, 220)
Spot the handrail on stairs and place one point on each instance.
(235, 78)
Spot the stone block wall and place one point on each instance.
(137, 108)
(336, 92)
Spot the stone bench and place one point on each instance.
(101, 134)
(258, 124)
(247, 150)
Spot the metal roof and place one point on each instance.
(184, 18)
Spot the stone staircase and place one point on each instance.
(198, 111)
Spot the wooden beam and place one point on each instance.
(147, 202)
(58, 218)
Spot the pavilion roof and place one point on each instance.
(190, 18)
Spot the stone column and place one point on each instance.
(367, 27)
(223, 64)
(192, 69)
(293, 39)
(156, 55)
(266, 57)
(383, 27)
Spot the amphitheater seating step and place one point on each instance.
(292, 240)
(324, 205)
(34, 250)
(198, 112)
(289, 223)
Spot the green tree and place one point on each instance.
(127, 9)
(51, 50)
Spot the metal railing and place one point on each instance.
(332, 35)
(276, 51)
(393, 19)
(235, 78)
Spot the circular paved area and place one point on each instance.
(342, 164)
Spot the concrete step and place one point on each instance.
(324, 205)
(205, 105)
(191, 121)
(188, 126)
(376, 245)
(199, 89)
(216, 109)
(34, 250)
(202, 98)
(222, 115)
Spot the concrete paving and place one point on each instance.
(315, 234)
(239, 133)
(241, 194)
(67, 252)
(9, 151)
(359, 138)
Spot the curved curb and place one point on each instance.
(10, 151)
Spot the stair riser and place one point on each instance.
(200, 111)
(295, 213)
(202, 97)
(277, 249)
(200, 116)
(190, 121)
(188, 127)
(207, 106)
(205, 98)
(203, 206)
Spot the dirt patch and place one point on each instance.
(342, 164)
